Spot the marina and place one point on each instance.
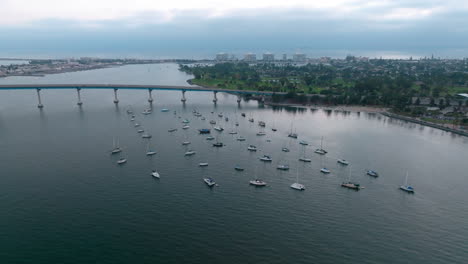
(129, 197)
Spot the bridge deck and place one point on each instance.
(126, 87)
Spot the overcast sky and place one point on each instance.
(200, 28)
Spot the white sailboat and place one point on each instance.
(116, 149)
(321, 151)
(149, 152)
(303, 157)
(297, 185)
(257, 182)
(406, 187)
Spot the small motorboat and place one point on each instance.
(324, 170)
(136, 125)
(172, 129)
(209, 181)
(233, 132)
(218, 128)
(266, 158)
(203, 164)
(212, 122)
(285, 149)
(298, 186)
(164, 110)
(241, 138)
(238, 168)
(372, 173)
(304, 159)
(258, 183)
(282, 167)
(155, 174)
(220, 114)
(210, 138)
(186, 143)
(218, 144)
(243, 114)
(185, 121)
(343, 162)
(261, 133)
(351, 185)
(121, 161)
(132, 119)
(190, 153)
(186, 127)
(150, 153)
(146, 136)
(304, 143)
(274, 129)
(140, 131)
(252, 148)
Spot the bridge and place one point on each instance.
(116, 87)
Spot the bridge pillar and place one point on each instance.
(183, 97)
(239, 98)
(262, 99)
(215, 99)
(150, 98)
(116, 100)
(39, 105)
(79, 96)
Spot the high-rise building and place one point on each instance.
(285, 57)
(268, 57)
(250, 57)
(299, 57)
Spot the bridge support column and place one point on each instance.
(39, 105)
(183, 97)
(262, 99)
(116, 100)
(215, 99)
(79, 96)
(150, 97)
(238, 98)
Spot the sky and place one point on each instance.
(200, 29)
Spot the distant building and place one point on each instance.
(250, 57)
(299, 57)
(222, 56)
(285, 57)
(268, 57)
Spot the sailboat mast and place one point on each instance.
(406, 179)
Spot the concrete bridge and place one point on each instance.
(116, 87)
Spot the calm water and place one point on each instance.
(63, 199)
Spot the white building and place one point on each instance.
(268, 57)
(250, 57)
(299, 57)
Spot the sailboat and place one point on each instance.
(121, 161)
(372, 173)
(274, 127)
(324, 169)
(303, 157)
(116, 149)
(190, 153)
(257, 182)
(343, 162)
(149, 152)
(297, 185)
(406, 187)
(349, 184)
(291, 134)
(321, 151)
